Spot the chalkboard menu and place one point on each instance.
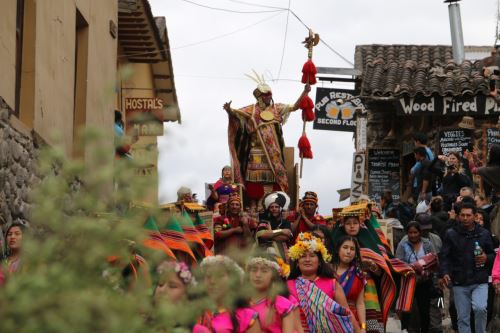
(383, 173)
(455, 140)
(492, 136)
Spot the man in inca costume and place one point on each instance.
(256, 142)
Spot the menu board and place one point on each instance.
(492, 136)
(384, 173)
(455, 140)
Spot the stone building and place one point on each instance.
(419, 88)
(60, 62)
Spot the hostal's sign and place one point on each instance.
(438, 105)
(144, 116)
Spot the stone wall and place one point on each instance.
(18, 154)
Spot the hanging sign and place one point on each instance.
(455, 140)
(383, 173)
(335, 109)
(358, 176)
(444, 106)
(144, 116)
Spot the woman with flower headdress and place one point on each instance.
(223, 280)
(275, 311)
(312, 285)
(384, 272)
(173, 281)
(171, 292)
(347, 267)
(256, 142)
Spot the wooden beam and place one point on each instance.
(337, 79)
(162, 77)
(138, 49)
(133, 37)
(139, 25)
(144, 61)
(134, 43)
(133, 31)
(165, 91)
(338, 71)
(130, 19)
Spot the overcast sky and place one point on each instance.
(212, 49)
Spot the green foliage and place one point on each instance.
(80, 217)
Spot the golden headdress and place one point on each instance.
(307, 242)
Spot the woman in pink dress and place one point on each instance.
(275, 311)
(312, 286)
(222, 278)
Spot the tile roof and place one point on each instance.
(393, 70)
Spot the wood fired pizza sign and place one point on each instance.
(335, 109)
(443, 106)
(144, 116)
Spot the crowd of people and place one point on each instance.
(281, 269)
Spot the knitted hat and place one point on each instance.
(310, 196)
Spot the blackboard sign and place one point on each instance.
(492, 137)
(335, 109)
(383, 173)
(455, 140)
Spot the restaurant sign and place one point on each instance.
(443, 106)
(144, 116)
(335, 109)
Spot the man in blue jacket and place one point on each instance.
(467, 273)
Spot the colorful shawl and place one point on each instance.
(323, 314)
(348, 278)
(394, 271)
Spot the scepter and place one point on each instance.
(306, 104)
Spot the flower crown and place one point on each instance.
(279, 265)
(184, 273)
(307, 242)
(181, 269)
(218, 260)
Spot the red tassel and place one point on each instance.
(305, 147)
(307, 106)
(309, 72)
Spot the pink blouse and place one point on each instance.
(222, 323)
(282, 307)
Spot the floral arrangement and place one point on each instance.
(307, 242)
(284, 268)
(264, 261)
(184, 273)
(220, 260)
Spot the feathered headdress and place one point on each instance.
(262, 86)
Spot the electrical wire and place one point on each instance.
(255, 5)
(247, 12)
(227, 34)
(322, 40)
(284, 39)
(231, 10)
(209, 77)
(205, 40)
